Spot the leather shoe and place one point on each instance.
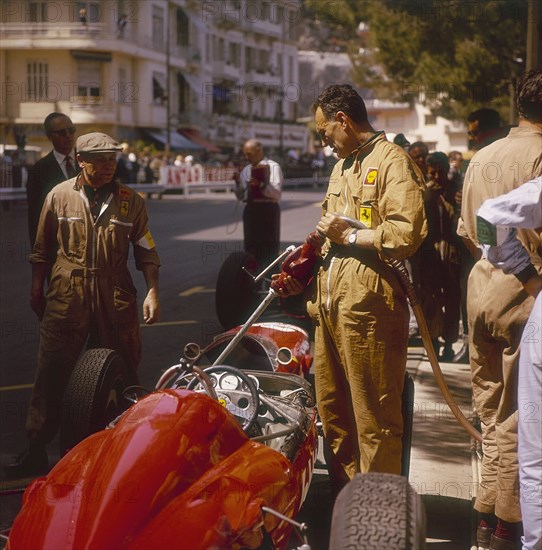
(483, 537)
(447, 354)
(462, 356)
(502, 544)
(32, 462)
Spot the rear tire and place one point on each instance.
(375, 511)
(236, 296)
(93, 397)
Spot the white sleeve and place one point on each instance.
(273, 190)
(520, 208)
(497, 220)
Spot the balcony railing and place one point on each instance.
(98, 33)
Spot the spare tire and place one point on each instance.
(94, 395)
(236, 294)
(375, 511)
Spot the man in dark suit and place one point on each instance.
(59, 165)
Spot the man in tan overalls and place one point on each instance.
(359, 308)
(92, 220)
(498, 308)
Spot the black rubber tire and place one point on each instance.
(235, 296)
(93, 397)
(375, 511)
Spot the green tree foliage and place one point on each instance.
(454, 55)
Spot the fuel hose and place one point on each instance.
(400, 270)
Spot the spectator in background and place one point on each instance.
(418, 152)
(59, 165)
(121, 25)
(402, 141)
(259, 186)
(442, 218)
(484, 127)
(455, 174)
(83, 16)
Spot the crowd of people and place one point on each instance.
(416, 205)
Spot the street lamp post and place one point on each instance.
(167, 98)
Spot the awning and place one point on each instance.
(194, 135)
(91, 55)
(176, 140)
(193, 81)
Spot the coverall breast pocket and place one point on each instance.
(72, 234)
(119, 234)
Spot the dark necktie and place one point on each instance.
(70, 170)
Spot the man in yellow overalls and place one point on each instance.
(92, 220)
(359, 308)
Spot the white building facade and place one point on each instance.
(181, 73)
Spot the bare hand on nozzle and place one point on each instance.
(286, 285)
(334, 228)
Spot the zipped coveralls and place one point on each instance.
(360, 310)
(90, 294)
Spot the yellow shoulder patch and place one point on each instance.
(370, 176)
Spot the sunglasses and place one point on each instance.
(473, 133)
(64, 132)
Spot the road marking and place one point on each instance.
(195, 290)
(18, 387)
(169, 323)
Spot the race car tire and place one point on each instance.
(375, 511)
(94, 395)
(235, 294)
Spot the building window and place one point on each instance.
(158, 88)
(157, 27)
(37, 80)
(430, 120)
(184, 93)
(234, 56)
(248, 59)
(208, 49)
(89, 79)
(37, 12)
(90, 10)
(220, 52)
(183, 29)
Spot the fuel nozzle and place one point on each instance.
(300, 262)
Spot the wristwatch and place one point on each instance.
(352, 238)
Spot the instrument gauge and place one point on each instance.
(229, 382)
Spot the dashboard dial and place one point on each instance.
(229, 382)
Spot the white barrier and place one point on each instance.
(197, 178)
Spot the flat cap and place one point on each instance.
(97, 142)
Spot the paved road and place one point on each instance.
(194, 235)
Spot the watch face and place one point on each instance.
(352, 237)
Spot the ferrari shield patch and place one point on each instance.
(366, 216)
(124, 208)
(370, 176)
